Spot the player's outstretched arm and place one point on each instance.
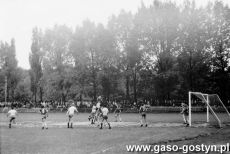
(140, 109)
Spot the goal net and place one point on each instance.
(207, 103)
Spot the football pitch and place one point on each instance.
(27, 137)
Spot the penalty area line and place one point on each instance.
(103, 150)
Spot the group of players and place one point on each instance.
(98, 115)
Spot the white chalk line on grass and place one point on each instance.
(30, 124)
(87, 124)
(103, 151)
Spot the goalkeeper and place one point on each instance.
(184, 112)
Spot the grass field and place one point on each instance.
(27, 137)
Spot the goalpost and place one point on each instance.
(206, 99)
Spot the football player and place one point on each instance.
(70, 113)
(44, 113)
(12, 113)
(105, 112)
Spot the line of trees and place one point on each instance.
(159, 53)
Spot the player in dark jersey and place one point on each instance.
(44, 113)
(98, 110)
(104, 116)
(117, 112)
(92, 116)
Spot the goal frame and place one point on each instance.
(208, 107)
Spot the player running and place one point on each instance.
(92, 115)
(70, 113)
(12, 113)
(142, 111)
(44, 113)
(184, 112)
(105, 112)
(98, 110)
(117, 112)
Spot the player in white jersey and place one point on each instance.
(94, 109)
(142, 111)
(99, 101)
(44, 113)
(12, 113)
(70, 113)
(104, 112)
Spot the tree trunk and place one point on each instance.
(80, 97)
(94, 88)
(7, 91)
(12, 95)
(94, 77)
(135, 84)
(127, 88)
(41, 94)
(190, 71)
(63, 97)
(35, 95)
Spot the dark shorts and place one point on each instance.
(44, 116)
(12, 118)
(185, 114)
(143, 115)
(105, 117)
(70, 116)
(117, 111)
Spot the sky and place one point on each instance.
(19, 17)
